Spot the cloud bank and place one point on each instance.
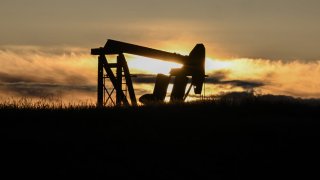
(70, 74)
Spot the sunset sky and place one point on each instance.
(271, 46)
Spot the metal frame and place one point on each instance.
(122, 72)
(193, 65)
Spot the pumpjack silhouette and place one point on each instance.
(193, 66)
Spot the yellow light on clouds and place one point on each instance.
(213, 64)
(139, 64)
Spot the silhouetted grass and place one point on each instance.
(231, 99)
(45, 104)
(237, 136)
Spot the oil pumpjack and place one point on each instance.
(193, 66)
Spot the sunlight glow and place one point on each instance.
(215, 64)
(140, 64)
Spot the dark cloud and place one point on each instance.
(219, 74)
(11, 78)
(41, 90)
(219, 77)
(214, 78)
(144, 79)
(24, 85)
(243, 84)
(37, 78)
(75, 79)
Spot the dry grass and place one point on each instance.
(44, 103)
(230, 99)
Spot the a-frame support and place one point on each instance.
(105, 72)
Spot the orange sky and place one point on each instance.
(45, 45)
(35, 72)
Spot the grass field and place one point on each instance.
(235, 137)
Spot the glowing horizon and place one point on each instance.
(269, 46)
(71, 74)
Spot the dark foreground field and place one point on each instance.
(252, 139)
